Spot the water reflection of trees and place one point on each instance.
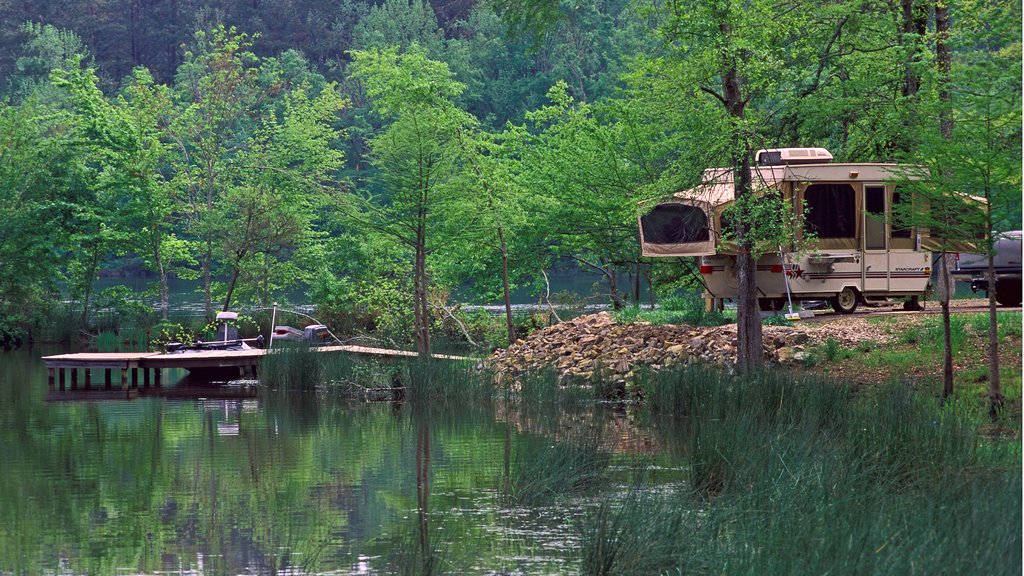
(288, 481)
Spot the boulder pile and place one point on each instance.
(595, 344)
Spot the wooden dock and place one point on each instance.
(234, 363)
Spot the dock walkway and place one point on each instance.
(246, 362)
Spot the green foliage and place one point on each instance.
(686, 309)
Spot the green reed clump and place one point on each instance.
(643, 534)
(543, 471)
(792, 475)
(292, 365)
(444, 380)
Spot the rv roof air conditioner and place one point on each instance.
(792, 156)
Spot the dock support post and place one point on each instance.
(61, 377)
(124, 378)
(135, 377)
(157, 374)
(49, 377)
(145, 377)
(74, 378)
(88, 378)
(106, 378)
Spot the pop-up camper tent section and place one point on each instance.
(684, 224)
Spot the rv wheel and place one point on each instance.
(845, 302)
(1008, 292)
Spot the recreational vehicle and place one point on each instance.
(851, 250)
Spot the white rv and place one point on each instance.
(857, 255)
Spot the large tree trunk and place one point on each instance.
(749, 350)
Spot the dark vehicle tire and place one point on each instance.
(771, 304)
(1008, 292)
(913, 304)
(846, 301)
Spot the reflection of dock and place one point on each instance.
(227, 363)
(186, 389)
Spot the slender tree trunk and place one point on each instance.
(942, 61)
(207, 294)
(507, 293)
(165, 292)
(649, 276)
(421, 317)
(995, 392)
(946, 293)
(231, 288)
(613, 284)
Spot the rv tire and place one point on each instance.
(1008, 292)
(846, 301)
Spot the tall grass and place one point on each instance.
(291, 365)
(797, 476)
(544, 471)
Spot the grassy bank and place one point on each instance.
(791, 475)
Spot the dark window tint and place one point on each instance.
(675, 224)
(900, 212)
(874, 200)
(831, 210)
(770, 158)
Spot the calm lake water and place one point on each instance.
(235, 481)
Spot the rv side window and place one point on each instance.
(831, 210)
(900, 213)
(675, 224)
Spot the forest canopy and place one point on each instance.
(380, 155)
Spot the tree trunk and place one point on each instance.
(421, 317)
(231, 289)
(505, 286)
(613, 284)
(207, 296)
(995, 392)
(942, 61)
(945, 294)
(749, 350)
(165, 292)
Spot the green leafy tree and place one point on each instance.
(418, 157)
(219, 97)
(286, 178)
(125, 147)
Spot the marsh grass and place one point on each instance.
(291, 365)
(791, 475)
(544, 471)
(646, 533)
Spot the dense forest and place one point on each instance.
(381, 154)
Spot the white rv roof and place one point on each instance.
(718, 188)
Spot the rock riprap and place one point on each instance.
(595, 344)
